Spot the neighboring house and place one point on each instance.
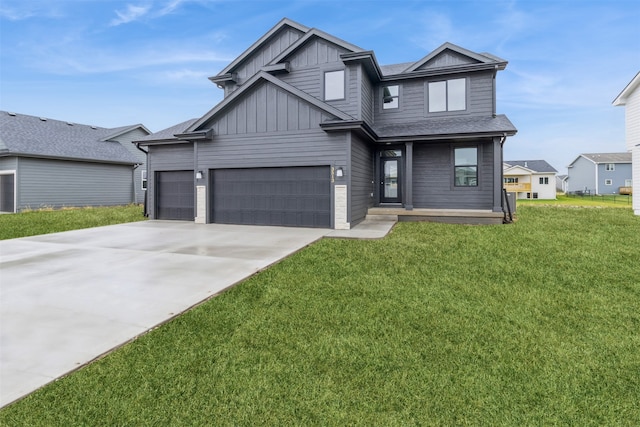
(313, 132)
(52, 163)
(561, 183)
(599, 173)
(530, 179)
(630, 98)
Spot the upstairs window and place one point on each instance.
(511, 180)
(544, 180)
(466, 167)
(334, 85)
(447, 95)
(610, 167)
(390, 97)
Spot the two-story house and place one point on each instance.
(630, 99)
(599, 173)
(530, 179)
(313, 132)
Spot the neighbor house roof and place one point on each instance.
(628, 90)
(31, 136)
(539, 166)
(167, 135)
(605, 157)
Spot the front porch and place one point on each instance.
(449, 216)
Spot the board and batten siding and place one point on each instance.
(413, 99)
(62, 183)
(433, 178)
(362, 170)
(267, 108)
(258, 59)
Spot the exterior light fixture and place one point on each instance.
(339, 172)
(199, 175)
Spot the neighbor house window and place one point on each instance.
(544, 180)
(466, 166)
(447, 95)
(610, 167)
(390, 97)
(628, 183)
(608, 182)
(511, 180)
(143, 176)
(334, 85)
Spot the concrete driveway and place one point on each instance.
(67, 298)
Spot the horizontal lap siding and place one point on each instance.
(361, 177)
(433, 179)
(125, 140)
(59, 183)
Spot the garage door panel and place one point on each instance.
(295, 196)
(175, 195)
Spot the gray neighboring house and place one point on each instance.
(53, 163)
(599, 173)
(313, 132)
(561, 183)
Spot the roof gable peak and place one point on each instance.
(449, 54)
(311, 34)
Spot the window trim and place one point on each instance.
(446, 111)
(543, 180)
(144, 181)
(397, 97)
(344, 84)
(476, 165)
(608, 181)
(610, 167)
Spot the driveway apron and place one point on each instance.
(68, 298)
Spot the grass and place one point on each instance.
(532, 323)
(610, 200)
(46, 221)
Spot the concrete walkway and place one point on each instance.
(68, 298)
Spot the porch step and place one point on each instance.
(381, 217)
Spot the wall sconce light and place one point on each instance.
(339, 172)
(199, 175)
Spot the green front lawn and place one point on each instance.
(532, 323)
(52, 221)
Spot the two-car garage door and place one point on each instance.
(291, 196)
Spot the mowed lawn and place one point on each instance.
(532, 323)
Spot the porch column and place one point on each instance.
(408, 173)
(497, 174)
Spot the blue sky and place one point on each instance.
(114, 63)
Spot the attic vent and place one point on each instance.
(44, 119)
(11, 114)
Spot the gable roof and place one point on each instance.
(256, 79)
(167, 135)
(627, 91)
(598, 158)
(314, 33)
(540, 166)
(24, 135)
(285, 22)
(474, 57)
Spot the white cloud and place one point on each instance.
(132, 13)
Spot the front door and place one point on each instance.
(390, 179)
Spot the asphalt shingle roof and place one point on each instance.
(609, 157)
(534, 165)
(447, 126)
(168, 133)
(21, 134)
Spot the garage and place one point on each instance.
(290, 196)
(175, 195)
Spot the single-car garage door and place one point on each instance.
(292, 196)
(175, 195)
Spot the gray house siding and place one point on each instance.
(366, 98)
(621, 172)
(361, 172)
(581, 176)
(125, 140)
(60, 183)
(433, 179)
(413, 99)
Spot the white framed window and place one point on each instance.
(544, 180)
(610, 167)
(143, 179)
(334, 85)
(465, 166)
(447, 95)
(608, 182)
(511, 180)
(390, 97)
(628, 182)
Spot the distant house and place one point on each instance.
(599, 173)
(52, 163)
(314, 132)
(630, 98)
(530, 179)
(561, 183)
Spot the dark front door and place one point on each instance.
(390, 179)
